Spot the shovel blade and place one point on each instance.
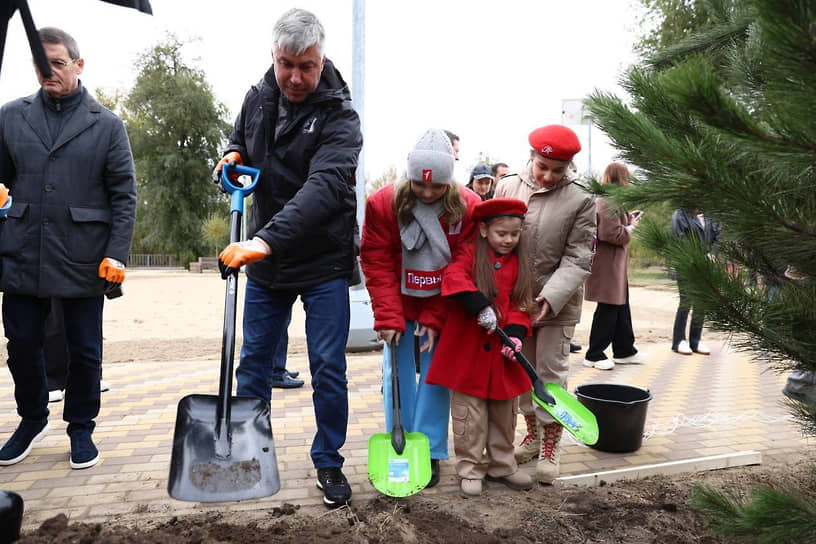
(576, 418)
(202, 470)
(399, 474)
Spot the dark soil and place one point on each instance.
(653, 510)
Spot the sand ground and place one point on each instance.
(177, 315)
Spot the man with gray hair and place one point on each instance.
(297, 125)
(67, 161)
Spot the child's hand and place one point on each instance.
(432, 334)
(510, 352)
(487, 319)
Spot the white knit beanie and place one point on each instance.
(432, 159)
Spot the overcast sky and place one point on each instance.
(490, 72)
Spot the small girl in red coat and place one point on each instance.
(491, 283)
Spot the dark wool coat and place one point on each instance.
(381, 260)
(74, 200)
(304, 205)
(609, 281)
(467, 359)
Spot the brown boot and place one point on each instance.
(530, 445)
(547, 467)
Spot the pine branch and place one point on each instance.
(770, 516)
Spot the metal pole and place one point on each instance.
(358, 93)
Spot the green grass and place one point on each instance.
(650, 276)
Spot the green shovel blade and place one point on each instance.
(399, 475)
(570, 413)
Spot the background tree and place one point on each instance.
(216, 231)
(386, 178)
(176, 128)
(722, 122)
(670, 21)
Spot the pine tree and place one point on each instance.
(723, 121)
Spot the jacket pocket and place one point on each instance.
(13, 230)
(89, 233)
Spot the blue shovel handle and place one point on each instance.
(238, 192)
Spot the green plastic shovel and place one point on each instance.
(399, 463)
(563, 407)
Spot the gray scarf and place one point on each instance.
(425, 251)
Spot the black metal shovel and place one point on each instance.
(222, 445)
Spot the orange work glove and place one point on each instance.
(112, 270)
(4, 195)
(233, 158)
(237, 254)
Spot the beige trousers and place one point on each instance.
(483, 436)
(548, 350)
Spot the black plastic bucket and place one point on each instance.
(620, 411)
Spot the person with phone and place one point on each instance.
(608, 285)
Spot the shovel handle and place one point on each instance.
(538, 385)
(238, 192)
(397, 432)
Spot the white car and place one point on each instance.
(362, 336)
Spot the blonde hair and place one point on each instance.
(405, 200)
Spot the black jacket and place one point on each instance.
(304, 205)
(74, 198)
(685, 223)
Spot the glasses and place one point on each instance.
(59, 64)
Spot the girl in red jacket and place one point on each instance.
(409, 234)
(491, 283)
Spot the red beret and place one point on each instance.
(497, 207)
(555, 142)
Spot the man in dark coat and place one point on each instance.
(297, 125)
(67, 162)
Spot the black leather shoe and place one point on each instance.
(293, 373)
(286, 382)
(575, 348)
(434, 473)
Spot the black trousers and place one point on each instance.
(55, 347)
(611, 324)
(24, 319)
(681, 319)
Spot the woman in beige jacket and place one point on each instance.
(609, 284)
(559, 225)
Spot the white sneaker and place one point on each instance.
(702, 349)
(603, 364)
(683, 348)
(635, 359)
(56, 395)
(104, 385)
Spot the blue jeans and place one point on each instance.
(425, 408)
(266, 313)
(279, 357)
(24, 323)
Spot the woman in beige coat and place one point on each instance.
(559, 225)
(609, 284)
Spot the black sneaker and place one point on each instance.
(19, 445)
(83, 451)
(575, 348)
(434, 473)
(335, 487)
(293, 373)
(286, 382)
